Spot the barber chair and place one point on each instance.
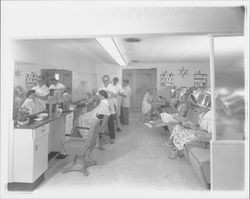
(81, 143)
(103, 131)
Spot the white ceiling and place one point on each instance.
(153, 49)
(190, 44)
(164, 49)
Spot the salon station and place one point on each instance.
(142, 98)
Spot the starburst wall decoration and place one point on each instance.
(183, 72)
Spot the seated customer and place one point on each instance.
(147, 105)
(29, 104)
(98, 112)
(188, 131)
(32, 104)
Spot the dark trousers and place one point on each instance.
(111, 126)
(124, 115)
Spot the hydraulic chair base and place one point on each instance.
(79, 164)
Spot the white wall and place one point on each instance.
(21, 70)
(106, 69)
(81, 84)
(187, 80)
(49, 57)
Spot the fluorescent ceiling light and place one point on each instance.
(111, 47)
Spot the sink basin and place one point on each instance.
(42, 115)
(39, 119)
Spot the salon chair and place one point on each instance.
(80, 143)
(197, 154)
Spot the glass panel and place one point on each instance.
(229, 87)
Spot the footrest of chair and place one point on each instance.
(79, 165)
(76, 167)
(88, 164)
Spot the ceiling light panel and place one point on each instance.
(111, 47)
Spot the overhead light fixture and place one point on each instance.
(134, 61)
(132, 40)
(113, 50)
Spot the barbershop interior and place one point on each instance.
(134, 100)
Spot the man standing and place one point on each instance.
(41, 90)
(56, 85)
(125, 102)
(41, 93)
(117, 90)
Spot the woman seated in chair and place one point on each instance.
(147, 105)
(188, 131)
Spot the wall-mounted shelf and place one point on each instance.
(166, 79)
(200, 79)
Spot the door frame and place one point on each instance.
(136, 107)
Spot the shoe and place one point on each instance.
(174, 153)
(168, 146)
(119, 130)
(112, 141)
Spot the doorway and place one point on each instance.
(64, 76)
(140, 80)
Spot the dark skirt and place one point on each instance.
(111, 126)
(125, 115)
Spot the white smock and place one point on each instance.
(86, 119)
(146, 107)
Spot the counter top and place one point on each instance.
(54, 116)
(46, 120)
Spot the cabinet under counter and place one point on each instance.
(32, 147)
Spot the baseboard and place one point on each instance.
(23, 186)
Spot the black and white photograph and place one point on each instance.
(124, 99)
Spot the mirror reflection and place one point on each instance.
(41, 90)
(230, 88)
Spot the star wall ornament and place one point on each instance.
(18, 73)
(183, 72)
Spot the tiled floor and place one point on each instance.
(137, 162)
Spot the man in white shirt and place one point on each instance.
(56, 85)
(125, 105)
(41, 93)
(117, 90)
